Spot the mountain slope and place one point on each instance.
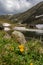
(33, 15)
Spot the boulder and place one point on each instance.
(19, 37)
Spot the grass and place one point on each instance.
(10, 52)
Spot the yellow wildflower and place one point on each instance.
(21, 50)
(21, 47)
(31, 63)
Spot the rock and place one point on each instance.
(7, 36)
(1, 27)
(19, 37)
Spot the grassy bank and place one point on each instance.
(12, 53)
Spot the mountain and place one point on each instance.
(32, 16)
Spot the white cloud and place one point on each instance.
(14, 4)
(17, 5)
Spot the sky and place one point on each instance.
(16, 6)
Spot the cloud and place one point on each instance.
(15, 6)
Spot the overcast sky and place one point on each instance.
(16, 6)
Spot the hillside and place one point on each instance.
(33, 15)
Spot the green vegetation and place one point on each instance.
(12, 53)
